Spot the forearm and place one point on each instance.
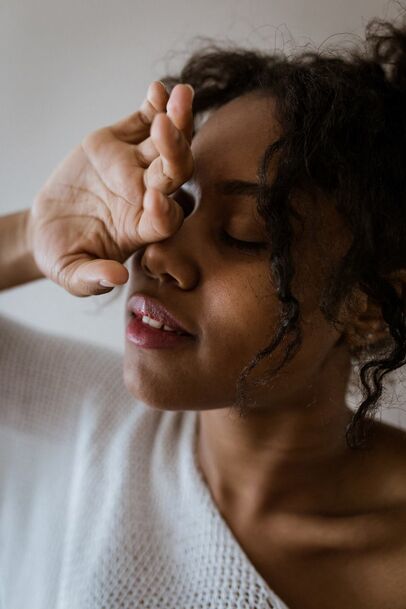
(17, 265)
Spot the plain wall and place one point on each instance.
(70, 67)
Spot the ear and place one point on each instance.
(363, 323)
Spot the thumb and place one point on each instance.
(87, 276)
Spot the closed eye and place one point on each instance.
(187, 202)
(251, 246)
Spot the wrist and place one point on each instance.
(26, 239)
(26, 231)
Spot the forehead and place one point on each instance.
(234, 137)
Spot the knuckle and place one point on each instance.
(91, 140)
(165, 181)
(143, 117)
(181, 174)
(160, 178)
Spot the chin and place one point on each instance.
(154, 391)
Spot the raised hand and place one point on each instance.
(110, 196)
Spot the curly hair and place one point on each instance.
(343, 119)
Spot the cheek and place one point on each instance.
(241, 314)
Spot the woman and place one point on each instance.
(267, 242)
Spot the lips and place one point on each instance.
(140, 304)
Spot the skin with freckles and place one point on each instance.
(309, 512)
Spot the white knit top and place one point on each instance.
(102, 503)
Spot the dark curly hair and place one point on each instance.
(343, 119)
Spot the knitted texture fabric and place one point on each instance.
(102, 503)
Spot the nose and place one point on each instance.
(171, 260)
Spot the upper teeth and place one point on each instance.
(156, 324)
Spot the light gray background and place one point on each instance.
(68, 67)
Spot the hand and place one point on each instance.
(110, 196)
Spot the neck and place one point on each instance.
(279, 458)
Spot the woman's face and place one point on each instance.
(222, 293)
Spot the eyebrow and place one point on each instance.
(237, 187)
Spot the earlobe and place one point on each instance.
(355, 305)
(364, 326)
(363, 322)
(360, 337)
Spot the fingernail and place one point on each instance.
(191, 88)
(163, 84)
(107, 284)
